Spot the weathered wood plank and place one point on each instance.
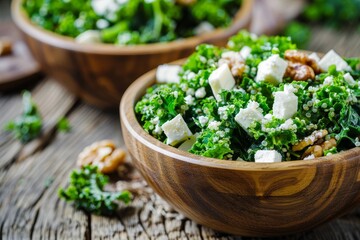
(345, 41)
(30, 207)
(53, 102)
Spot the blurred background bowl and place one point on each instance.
(100, 73)
(243, 198)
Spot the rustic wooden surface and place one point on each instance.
(31, 174)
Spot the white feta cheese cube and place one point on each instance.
(89, 36)
(267, 156)
(272, 70)
(248, 115)
(168, 73)
(176, 130)
(315, 57)
(349, 79)
(245, 52)
(332, 58)
(285, 104)
(221, 79)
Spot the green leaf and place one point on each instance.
(63, 125)
(86, 192)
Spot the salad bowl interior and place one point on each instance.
(100, 73)
(242, 198)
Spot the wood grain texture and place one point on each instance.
(242, 198)
(100, 73)
(19, 68)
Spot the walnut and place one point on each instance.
(318, 150)
(315, 150)
(5, 47)
(310, 140)
(328, 144)
(301, 57)
(299, 72)
(235, 62)
(104, 155)
(301, 67)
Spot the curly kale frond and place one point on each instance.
(28, 125)
(86, 190)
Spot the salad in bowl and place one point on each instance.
(260, 99)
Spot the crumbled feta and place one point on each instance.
(157, 130)
(272, 70)
(189, 100)
(349, 79)
(328, 80)
(248, 115)
(267, 156)
(314, 57)
(221, 79)
(332, 58)
(245, 52)
(203, 27)
(200, 92)
(214, 125)
(168, 73)
(285, 104)
(288, 125)
(203, 120)
(89, 36)
(176, 130)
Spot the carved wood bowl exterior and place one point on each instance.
(242, 198)
(100, 73)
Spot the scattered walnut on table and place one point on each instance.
(104, 155)
(5, 47)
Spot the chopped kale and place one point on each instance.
(86, 190)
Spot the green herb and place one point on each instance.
(63, 125)
(131, 22)
(28, 125)
(333, 105)
(86, 191)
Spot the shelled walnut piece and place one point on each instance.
(102, 154)
(300, 66)
(5, 47)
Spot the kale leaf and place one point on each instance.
(86, 190)
(28, 125)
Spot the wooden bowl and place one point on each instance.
(242, 198)
(100, 73)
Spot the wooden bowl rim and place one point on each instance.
(23, 22)
(130, 122)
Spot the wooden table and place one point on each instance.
(31, 174)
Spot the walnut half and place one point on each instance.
(301, 67)
(104, 155)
